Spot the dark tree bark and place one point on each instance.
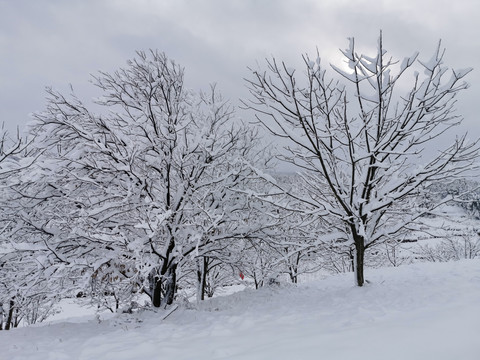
(10, 315)
(157, 291)
(165, 286)
(202, 271)
(293, 269)
(359, 260)
(165, 283)
(170, 286)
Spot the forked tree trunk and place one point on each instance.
(170, 284)
(293, 272)
(164, 286)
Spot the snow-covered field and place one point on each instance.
(422, 311)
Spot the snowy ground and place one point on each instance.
(422, 311)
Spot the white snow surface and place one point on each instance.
(421, 311)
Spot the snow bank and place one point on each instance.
(421, 311)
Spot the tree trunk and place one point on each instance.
(293, 273)
(165, 280)
(202, 268)
(170, 286)
(10, 315)
(359, 260)
(157, 291)
(164, 286)
(294, 270)
(257, 284)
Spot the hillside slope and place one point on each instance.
(421, 311)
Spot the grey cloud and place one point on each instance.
(61, 42)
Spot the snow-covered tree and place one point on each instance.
(24, 293)
(295, 245)
(364, 146)
(146, 186)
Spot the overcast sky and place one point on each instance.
(61, 42)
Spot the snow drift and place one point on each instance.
(421, 311)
